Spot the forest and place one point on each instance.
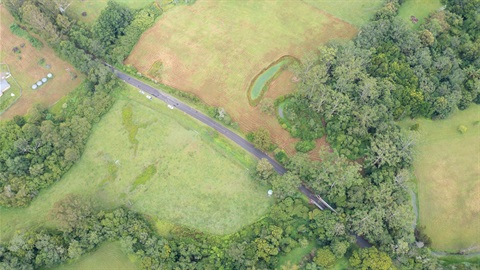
(352, 91)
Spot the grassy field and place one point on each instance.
(418, 8)
(356, 12)
(93, 8)
(108, 256)
(26, 70)
(199, 179)
(447, 168)
(214, 49)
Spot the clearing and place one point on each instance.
(108, 256)
(161, 163)
(27, 69)
(447, 168)
(215, 49)
(418, 8)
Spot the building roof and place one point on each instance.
(4, 85)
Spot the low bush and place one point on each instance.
(305, 146)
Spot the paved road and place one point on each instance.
(220, 128)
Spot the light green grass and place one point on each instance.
(418, 8)
(447, 168)
(202, 180)
(295, 255)
(108, 256)
(95, 7)
(356, 12)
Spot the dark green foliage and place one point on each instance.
(110, 25)
(305, 146)
(299, 121)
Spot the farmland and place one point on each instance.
(27, 68)
(198, 180)
(447, 168)
(214, 49)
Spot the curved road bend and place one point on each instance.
(220, 128)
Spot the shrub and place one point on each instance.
(462, 129)
(415, 127)
(305, 146)
(35, 42)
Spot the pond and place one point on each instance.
(260, 83)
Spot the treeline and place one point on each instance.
(289, 225)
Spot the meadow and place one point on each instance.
(356, 12)
(159, 162)
(418, 8)
(107, 256)
(215, 49)
(27, 68)
(447, 169)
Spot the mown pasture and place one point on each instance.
(27, 68)
(215, 49)
(159, 162)
(447, 168)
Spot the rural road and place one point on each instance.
(223, 130)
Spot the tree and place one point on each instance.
(371, 258)
(36, 19)
(324, 258)
(264, 169)
(285, 185)
(71, 211)
(262, 140)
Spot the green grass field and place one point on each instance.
(295, 255)
(418, 8)
(93, 8)
(200, 179)
(447, 168)
(108, 256)
(356, 12)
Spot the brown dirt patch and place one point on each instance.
(26, 70)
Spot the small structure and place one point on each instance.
(49, 75)
(4, 86)
(149, 97)
(39, 83)
(44, 80)
(34, 86)
(270, 193)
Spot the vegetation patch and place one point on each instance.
(155, 70)
(146, 175)
(447, 172)
(17, 30)
(261, 82)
